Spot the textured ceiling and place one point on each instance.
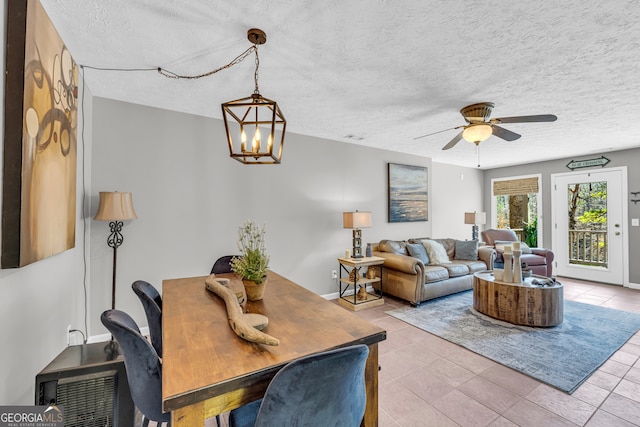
(380, 70)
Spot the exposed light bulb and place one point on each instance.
(258, 136)
(243, 135)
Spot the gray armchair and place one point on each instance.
(540, 260)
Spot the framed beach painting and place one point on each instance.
(40, 139)
(408, 193)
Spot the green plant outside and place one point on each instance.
(254, 261)
(531, 233)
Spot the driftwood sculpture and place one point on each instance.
(245, 325)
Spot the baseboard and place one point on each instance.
(634, 286)
(336, 295)
(106, 337)
(332, 296)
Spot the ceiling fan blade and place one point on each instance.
(435, 133)
(453, 142)
(526, 119)
(505, 134)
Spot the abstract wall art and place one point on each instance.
(40, 139)
(408, 193)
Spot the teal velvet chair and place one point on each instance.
(325, 389)
(143, 366)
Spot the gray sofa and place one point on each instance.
(409, 276)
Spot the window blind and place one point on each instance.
(515, 187)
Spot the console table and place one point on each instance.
(518, 303)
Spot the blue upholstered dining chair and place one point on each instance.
(324, 389)
(143, 366)
(223, 264)
(152, 304)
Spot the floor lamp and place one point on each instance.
(115, 207)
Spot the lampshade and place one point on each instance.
(356, 219)
(475, 218)
(477, 132)
(115, 206)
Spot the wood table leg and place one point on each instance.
(189, 416)
(371, 381)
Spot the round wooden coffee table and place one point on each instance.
(518, 303)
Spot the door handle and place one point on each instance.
(617, 225)
(617, 233)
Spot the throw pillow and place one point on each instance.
(500, 244)
(436, 252)
(393, 246)
(416, 250)
(467, 250)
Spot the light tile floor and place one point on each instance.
(427, 381)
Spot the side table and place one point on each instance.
(353, 266)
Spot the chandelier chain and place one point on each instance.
(238, 59)
(255, 74)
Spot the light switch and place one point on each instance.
(635, 222)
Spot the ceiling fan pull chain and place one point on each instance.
(478, 153)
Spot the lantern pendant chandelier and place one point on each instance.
(254, 116)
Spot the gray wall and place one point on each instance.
(456, 190)
(630, 158)
(190, 197)
(37, 303)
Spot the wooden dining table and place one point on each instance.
(208, 369)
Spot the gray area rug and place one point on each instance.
(562, 356)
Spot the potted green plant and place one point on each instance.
(253, 263)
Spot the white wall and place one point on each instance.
(37, 303)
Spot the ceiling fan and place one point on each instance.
(480, 126)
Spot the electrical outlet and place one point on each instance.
(334, 274)
(68, 335)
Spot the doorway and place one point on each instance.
(589, 225)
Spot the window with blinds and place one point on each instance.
(515, 187)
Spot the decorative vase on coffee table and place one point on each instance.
(255, 291)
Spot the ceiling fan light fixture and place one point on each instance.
(477, 132)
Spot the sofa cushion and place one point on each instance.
(532, 259)
(436, 252)
(393, 246)
(456, 269)
(435, 273)
(466, 249)
(417, 250)
(473, 266)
